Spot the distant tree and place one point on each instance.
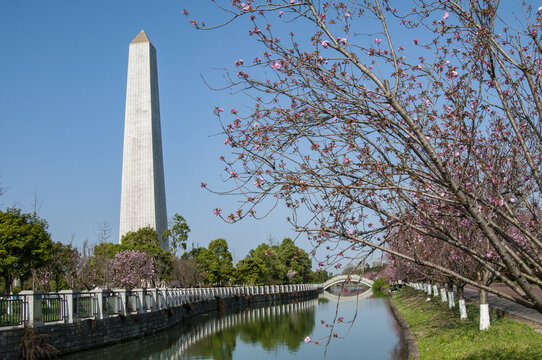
(281, 260)
(146, 240)
(250, 271)
(319, 276)
(25, 245)
(216, 261)
(131, 269)
(61, 269)
(295, 259)
(177, 233)
(108, 250)
(192, 254)
(291, 274)
(276, 269)
(186, 273)
(104, 232)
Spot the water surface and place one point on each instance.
(349, 328)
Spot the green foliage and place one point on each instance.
(108, 250)
(25, 244)
(192, 254)
(146, 240)
(295, 259)
(441, 335)
(216, 261)
(319, 276)
(178, 233)
(251, 271)
(62, 267)
(269, 255)
(278, 260)
(380, 287)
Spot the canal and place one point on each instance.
(364, 328)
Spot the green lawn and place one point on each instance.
(441, 335)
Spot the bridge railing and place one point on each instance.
(353, 278)
(35, 308)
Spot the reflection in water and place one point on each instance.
(274, 332)
(269, 327)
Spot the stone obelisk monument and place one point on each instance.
(143, 195)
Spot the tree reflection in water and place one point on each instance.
(269, 327)
(272, 332)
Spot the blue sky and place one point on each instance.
(62, 96)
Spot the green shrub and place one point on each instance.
(380, 287)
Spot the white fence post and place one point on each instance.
(120, 304)
(33, 308)
(140, 299)
(69, 297)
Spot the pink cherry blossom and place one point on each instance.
(325, 44)
(217, 211)
(307, 339)
(276, 66)
(203, 185)
(445, 16)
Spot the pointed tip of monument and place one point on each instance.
(141, 37)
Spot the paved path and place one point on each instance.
(505, 305)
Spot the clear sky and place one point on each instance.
(63, 71)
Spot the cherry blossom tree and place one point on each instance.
(131, 269)
(369, 115)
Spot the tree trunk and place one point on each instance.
(484, 311)
(443, 296)
(8, 283)
(462, 306)
(451, 300)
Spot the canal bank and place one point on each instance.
(442, 335)
(90, 333)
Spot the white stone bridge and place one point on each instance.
(350, 279)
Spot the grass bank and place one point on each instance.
(441, 335)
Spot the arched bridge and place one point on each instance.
(354, 279)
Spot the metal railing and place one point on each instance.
(84, 306)
(34, 307)
(52, 308)
(131, 302)
(110, 303)
(147, 300)
(12, 310)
